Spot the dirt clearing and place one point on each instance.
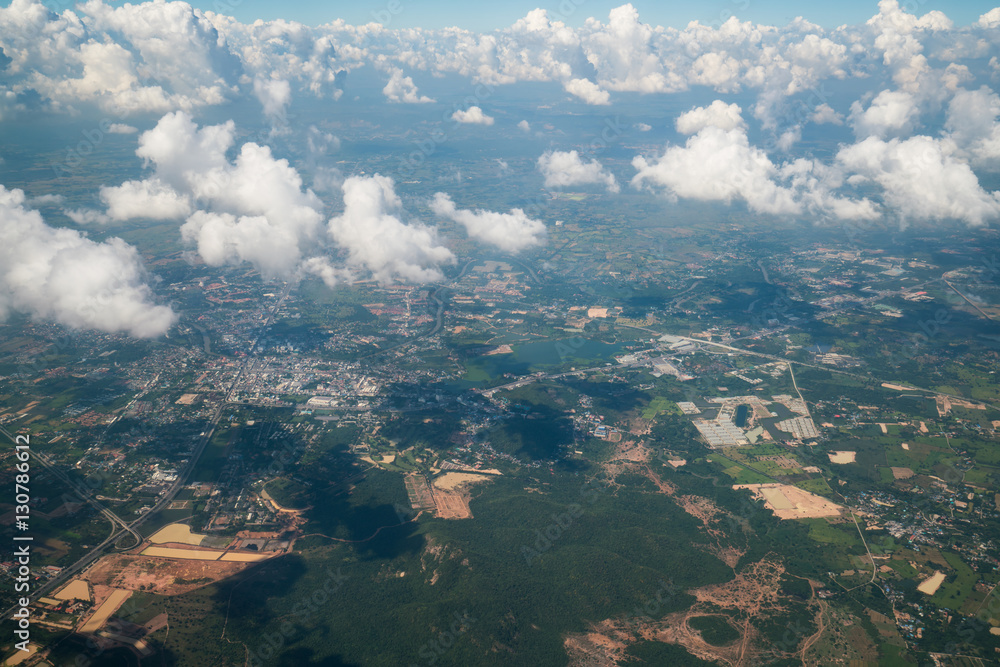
(752, 596)
(791, 502)
(74, 590)
(452, 480)
(450, 494)
(176, 532)
(930, 586)
(104, 612)
(156, 575)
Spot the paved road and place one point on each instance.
(182, 479)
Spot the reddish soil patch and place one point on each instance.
(753, 595)
(157, 575)
(452, 504)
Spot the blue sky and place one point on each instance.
(488, 16)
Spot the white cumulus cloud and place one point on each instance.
(717, 114)
(274, 96)
(891, 113)
(824, 113)
(513, 231)
(921, 180)
(402, 89)
(472, 116)
(588, 91)
(377, 239)
(61, 276)
(566, 168)
(972, 124)
(717, 165)
(152, 199)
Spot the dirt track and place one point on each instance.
(753, 594)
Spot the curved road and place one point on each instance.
(182, 478)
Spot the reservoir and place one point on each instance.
(740, 419)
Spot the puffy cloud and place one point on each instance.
(643, 127)
(921, 180)
(377, 240)
(565, 168)
(222, 238)
(121, 128)
(815, 185)
(990, 19)
(588, 91)
(788, 138)
(717, 114)
(152, 199)
(624, 53)
(472, 116)
(125, 60)
(402, 89)
(524, 126)
(61, 276)
(274, 95)
(45, 200)
(824, 113)
(972, 125)
(892, 112)
(193, 161)
(717, 165)
(182, 153)
(513, 231)
(252, 209)
(255, 209)
(86, 216)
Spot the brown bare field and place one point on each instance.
(452, 480)
(419, 492)
(186, 554)
(237, 557)
(74, 590)
(450, 493)
(791, 502)
(103, 612)
(630, 450)
(22, 656)
(842, 457)
(452, 504)
(930, 585)
(176, 532)
(158, 575)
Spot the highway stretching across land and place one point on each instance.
(182, 479)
